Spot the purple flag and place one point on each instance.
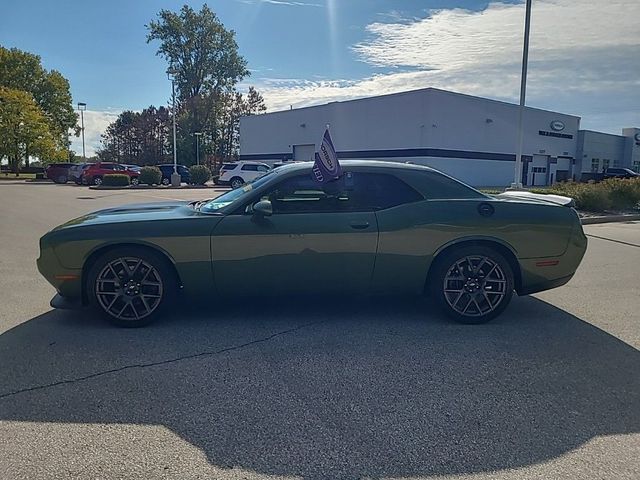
(326, 166)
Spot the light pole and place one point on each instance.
(82, 107)
(175, 177)
(198, 135)
(517, 180)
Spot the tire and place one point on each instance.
(61, 179)
(96, 180)
(236, 182)
(165, 181)
(472, 285)
(135, 181)
(150, 286)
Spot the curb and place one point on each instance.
(609, 219)
(150, 187)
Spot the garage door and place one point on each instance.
(304, 153)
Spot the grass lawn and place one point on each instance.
(21, 176)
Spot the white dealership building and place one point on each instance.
(471, 138)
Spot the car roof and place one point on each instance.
(375, 164)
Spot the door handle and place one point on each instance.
(359, 225)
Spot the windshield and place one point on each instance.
(234, 195)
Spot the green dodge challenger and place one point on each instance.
(380, 228)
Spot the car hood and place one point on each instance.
(139, 212)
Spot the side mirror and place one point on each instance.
(263, 208)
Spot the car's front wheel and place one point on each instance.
(166, 181)
(135, 181)
(131, 286)
(97, 180)
(472, 284)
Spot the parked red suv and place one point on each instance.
(93, 174)
(58, 172)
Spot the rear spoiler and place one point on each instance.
(549, 198)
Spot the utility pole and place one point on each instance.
(175, 177)
(82, 107)
(517, 180)
(198, 135)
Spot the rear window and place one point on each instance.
(228, 166)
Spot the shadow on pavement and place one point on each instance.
(367, 389)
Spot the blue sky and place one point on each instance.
(584, 57)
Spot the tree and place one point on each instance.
(203, 53)
(23, 71)
(235, 106)
(24, 130)
(203, 56)
(140, 138)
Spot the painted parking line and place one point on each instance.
(612, 240)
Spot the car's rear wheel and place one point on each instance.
(61, 179)
(236, 182)
(135, 181)
(131, 286)
(472, 284)
(166, 181)
(97, 180)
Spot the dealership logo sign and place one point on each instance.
(557, 125)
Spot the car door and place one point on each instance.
(318, 240)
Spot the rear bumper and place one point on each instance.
(538, 274)
(547, 285)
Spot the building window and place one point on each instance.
(539, 169)
(605, 163)
(595, 164)
(636, 165)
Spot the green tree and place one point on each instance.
(24, 130)
(203, 53)
(203, 56)
(21, 70)
(140, 138)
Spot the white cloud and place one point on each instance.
(289, 3)
(95, 123)
(583, 58)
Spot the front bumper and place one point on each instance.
(65, 303)
(66, 281)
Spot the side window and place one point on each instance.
(250, 168)
(263, 168)
(353, 192)
(107, 166)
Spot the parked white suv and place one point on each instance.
(238, 173)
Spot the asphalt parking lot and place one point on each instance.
(369, 389)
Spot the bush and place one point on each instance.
(624, 193)
(150, 175)
(593, 198)
(615, 193)
(200, 174)
(115, 180)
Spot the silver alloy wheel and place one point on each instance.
(135, 181)
(236, 183)
(475, 285)
(97, 181)
(128, 288)
(165, 181)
